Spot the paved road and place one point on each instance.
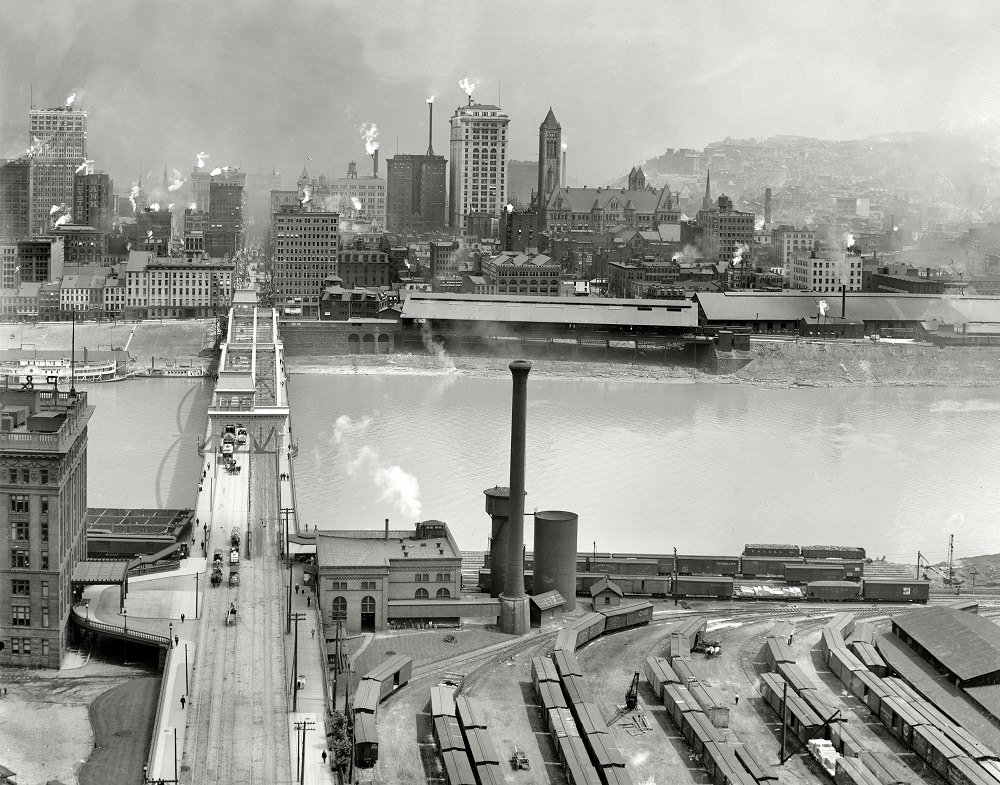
(237, 715)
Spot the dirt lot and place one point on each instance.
(45, 723)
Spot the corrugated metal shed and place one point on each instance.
(966, 644)
(789, 306)
(551, 310)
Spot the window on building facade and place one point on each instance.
(368, 585)
(443, 594)
(421, 594)
(368, 605)
(45, 560)
(20, 530)
(20, 615)
(19, 503)
(20, 588)
(338, 608)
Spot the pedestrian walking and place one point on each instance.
(737, 700)
(182, 618)
(177, 640)
(308, 601)
(296, 588)
(314, 633)
(183, 701)
(323, 756)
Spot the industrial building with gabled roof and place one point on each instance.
(965, 645)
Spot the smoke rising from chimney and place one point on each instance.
(469, 85)
(202, 159)
(177, 180)
(397, 486)
(369, 134)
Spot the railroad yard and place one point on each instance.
(652, 745)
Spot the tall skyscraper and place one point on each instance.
(57, 140)
(225, 213)
(305, 254)
(43, 479)
(415, 189)
(93, 200)
(478, 182)
(549, 156)
(15, 198)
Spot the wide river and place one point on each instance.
(646, 466)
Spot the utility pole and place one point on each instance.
(296, 617)
(300, 763)
(288, 627)
(919, 557)
(951, 552)
(673, 578)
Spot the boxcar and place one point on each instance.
(693, 629)
(469, 712)
(567, 663)
(809, 573)
(776, 651)
(965, 771)
(480, 746)
(566, 640)
(971, 606)
(442, 701)
(679, 646)
(770, 550)
(698, 586)
(448, 734)
(457, 769)
(698, 731)
(870, 658)
(795, 677)
(588, 627)
(576, 690)
(543, 669)
(842, 624)
(934, 748)
(831, 552)
(685, 673)
(365, 741)
(833, 591)
(678, 701)
(391, 674)
(643, 585)
(851, 771)
(853, 568)
(894, 590)
(708, 565)
(550, 695)
(490, 774)
(766, 566)
(711, 703)
(871, 689)
(367, 697)
(620, 566)
(899, 718)
(846, 741)
(633, 615)
(589, 718)
(659, 673)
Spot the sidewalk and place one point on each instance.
(167, 745)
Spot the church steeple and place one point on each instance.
(706, 202)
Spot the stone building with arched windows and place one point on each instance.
(367, 578)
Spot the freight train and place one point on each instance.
(723, 587)
(792, 563)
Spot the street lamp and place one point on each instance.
(125, 656)
(170, 640)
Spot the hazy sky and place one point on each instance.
(260, 84)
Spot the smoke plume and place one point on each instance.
(306, 193)
(357, 203)
(133, 193)
(70, 99)
(176, 181)
(823, 307)
(397, 486)
(202, 159)
(430, 100)
(86, 167)
(369, 133)
(155, 207)
(216, 171)
(469, 85)
(435, 348)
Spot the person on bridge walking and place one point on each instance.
(308, 601)
(324, 756)
(177, 640)
(183, 701)
(182, 618)
(314, 633)
(296, 588)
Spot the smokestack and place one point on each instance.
(564, 170)
(387, 528)
(375, 159)
(514, 618)
(767, 206)
(430, 129)
(843, 300)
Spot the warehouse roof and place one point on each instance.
(786, 306)
(549, 310)
(370, 548)
(966, 644)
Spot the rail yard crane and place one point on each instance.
(632, 694)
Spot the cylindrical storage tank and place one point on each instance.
(498, 508)
(555, 554)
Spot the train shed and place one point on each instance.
(964, 645)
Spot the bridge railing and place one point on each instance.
(121, 632)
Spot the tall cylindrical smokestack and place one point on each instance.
(514, 616)
(430, 129)
(387, 528)
(375, 159)
(564, 170)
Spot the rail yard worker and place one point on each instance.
(183, 701)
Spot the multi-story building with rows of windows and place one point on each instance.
(791, 241)
(519, 273)
(724, 231)
(43, 516)
(304, 254)
(57, 139)
(814, 273)
(478, 175)
(369, 578)
(176, 287)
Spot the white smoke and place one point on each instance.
(216, 171)
(170, 206)
(850, 241)
(56, 208)
(435, 347)
(133, 193)
(155, 207)
(149, 234)
(70, 99)
(369, 133)
(63, 213)
(176, 181)
(469, 85)
(63, 219)
(823, 308)
(397, 486)
(37, 147)
(306, 193)
(739, 253)
(87, 167)
(193, 206)
(202, 158)
(430, 100)
(357, 203)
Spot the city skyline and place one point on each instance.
(262, 88)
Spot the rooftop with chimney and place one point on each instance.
(427, 541)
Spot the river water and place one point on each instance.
(647, 466)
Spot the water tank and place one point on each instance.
(498, 508)
(555, 554)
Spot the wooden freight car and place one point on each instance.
(766, 566)
(708, 565)
(702, 586)
(894, 590)
(832, 552)
(625, 616)
(771, 550)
